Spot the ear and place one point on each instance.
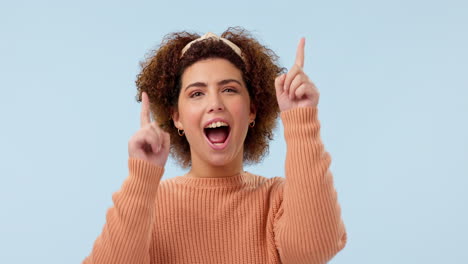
(253, 112)
(176, 119)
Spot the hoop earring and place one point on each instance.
(180, 133)
(252, 124)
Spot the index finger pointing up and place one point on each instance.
(145, 113)
(300, 53)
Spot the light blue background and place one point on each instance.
(393, 109)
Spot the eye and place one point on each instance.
(230, 90)
(195, 94)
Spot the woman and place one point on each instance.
(215, 100)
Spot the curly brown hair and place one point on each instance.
(161, 73)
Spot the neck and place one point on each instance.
(203, 169)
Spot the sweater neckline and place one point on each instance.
(231, 181)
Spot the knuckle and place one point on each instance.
(155, 126)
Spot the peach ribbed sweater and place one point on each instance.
(241, 219)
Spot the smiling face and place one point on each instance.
(214, 111)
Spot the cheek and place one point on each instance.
(190, 121)
(190, 116)
(241, 109)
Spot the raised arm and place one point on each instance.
(308, 226)
(126, 236)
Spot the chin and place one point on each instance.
(219, 161)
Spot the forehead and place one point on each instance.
(211, 70)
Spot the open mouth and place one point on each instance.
(217, 133)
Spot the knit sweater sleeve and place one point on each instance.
(126, 236)
(308, 226)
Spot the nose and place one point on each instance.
(215, 103)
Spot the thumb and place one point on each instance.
(279, 84)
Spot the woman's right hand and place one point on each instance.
(150, 143)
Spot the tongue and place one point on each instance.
(217, 135)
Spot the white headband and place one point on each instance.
(233, 46)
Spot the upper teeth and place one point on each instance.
(216, 124)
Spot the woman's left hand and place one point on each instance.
(295, 89)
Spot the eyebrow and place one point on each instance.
(202, 84)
